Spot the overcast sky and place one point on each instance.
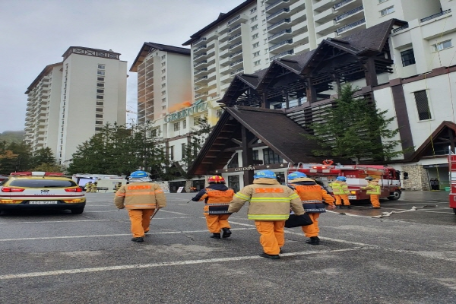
(35, 33)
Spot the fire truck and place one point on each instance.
(326, 173)
(452, 173)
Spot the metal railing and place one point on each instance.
(234, 19)
(236, 62)
(200, 40)
(289, 52)
(234, 37)
(275, 46)
(337, 5)
(200, 48)
(287, 20)
(235, 45)
(234, 28)
(275, 3)
(199, 63)
(279, 34)
(278, 13)
(401, 28)
(237, 71)
(235, 54)
(349, 13)
(436, 15)
(350, 26)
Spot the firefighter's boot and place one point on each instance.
(215, 235)
(226, 233)
(314, 240)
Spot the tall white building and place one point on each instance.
(251, 35)
(164, 82)
(70, 101)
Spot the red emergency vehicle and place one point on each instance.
(452, 172)
(326, 173)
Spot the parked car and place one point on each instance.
(41, 190)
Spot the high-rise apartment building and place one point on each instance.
(164, 80)
(70, 101)
(251, 35)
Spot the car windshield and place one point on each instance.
(43, 183)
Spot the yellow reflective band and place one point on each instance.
(293, 196)
(280, 199)
(242, 196)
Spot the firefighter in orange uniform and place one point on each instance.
(374, 190)
(217, 197)
(270, 204)
(312, 196)
(140, 197)
(340, 191)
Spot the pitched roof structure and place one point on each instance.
(148, 46)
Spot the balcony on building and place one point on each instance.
(212, 84)
(297, 6)
(301, 39)
(277, 15)
(211, 76)
(279, 35)
(236, 64)
(199, 41)
(223, 37)
(200, 71)
(277, 48)
(224, 45)
(280, 25)
(324, 16)
(201, 95)
(224, 53)
(200, 55)
(326, 28)
(235, 54)
(225, 69)
(234, 47)
(234, 38)
(349, 27)
(302, 48)
(225, 61)
(201, 80)
(199, 49)
(283, 54)
(345, 5)
(200, 63)
(276, 4)
(238, 71)
(350, 15)
(237, 20)
(323, 5)
(434, 16)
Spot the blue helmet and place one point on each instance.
(294, 175)
(341, 178)
(139, 174)
(264, 174)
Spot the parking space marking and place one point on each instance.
(100, 220)
(164, 264)
(106, 235)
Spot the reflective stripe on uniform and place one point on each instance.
(270, 217)
(311, 202)
(242, 196)
(141, 206)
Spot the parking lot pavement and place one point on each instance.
(58, 257)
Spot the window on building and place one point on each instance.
(255, 36)
(163, 57)
(442, 45)
(256, 54)
(99, 110)
(164, 99)
(163, 64)
(99, 115)
(163, 77)
(171, 152)
(408, 58)
(270, 157)
(255, 155)
(256, 44)
(253, 10)
(100, 72)
(101, 66)
(163, 85)
(164, 71)
(184, 152)
(100, 78)
(99, 97)
(387, 11)
(163, 107)
(98, 122)
(253, 19)
(100, 91)
(257, 62)
(154, 132)
(255, 27)
(96, 129)
(164, 92)
(234, 163)
(422, 105)
(99, 103)
(176, 126)
(100, 85)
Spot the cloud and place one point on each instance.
(37, 33)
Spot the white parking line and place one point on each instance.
(162, 264)
(77, 221)
(106, 235)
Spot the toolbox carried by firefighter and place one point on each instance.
(298, 220)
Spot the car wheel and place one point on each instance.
(395, 195)
(77, 210)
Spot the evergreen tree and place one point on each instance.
(42, 156)
(353, 128)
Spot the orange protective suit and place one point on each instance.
(271, 235)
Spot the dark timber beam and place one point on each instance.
(247, 156)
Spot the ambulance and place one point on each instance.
(327, 172)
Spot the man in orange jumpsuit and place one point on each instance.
(270, 204)
(217, 197)
(312, 196)
(140, 197)
(374, 190)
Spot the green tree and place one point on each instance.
(14, 156)
(353, 128)
(42, 156)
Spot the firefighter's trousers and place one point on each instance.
(140, 221)
(340, 198)
(215, 222)
(312, 230)
(375, 201)
(272, 235)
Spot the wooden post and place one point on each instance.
(310, 91)
(247, 156)
(371, 74)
